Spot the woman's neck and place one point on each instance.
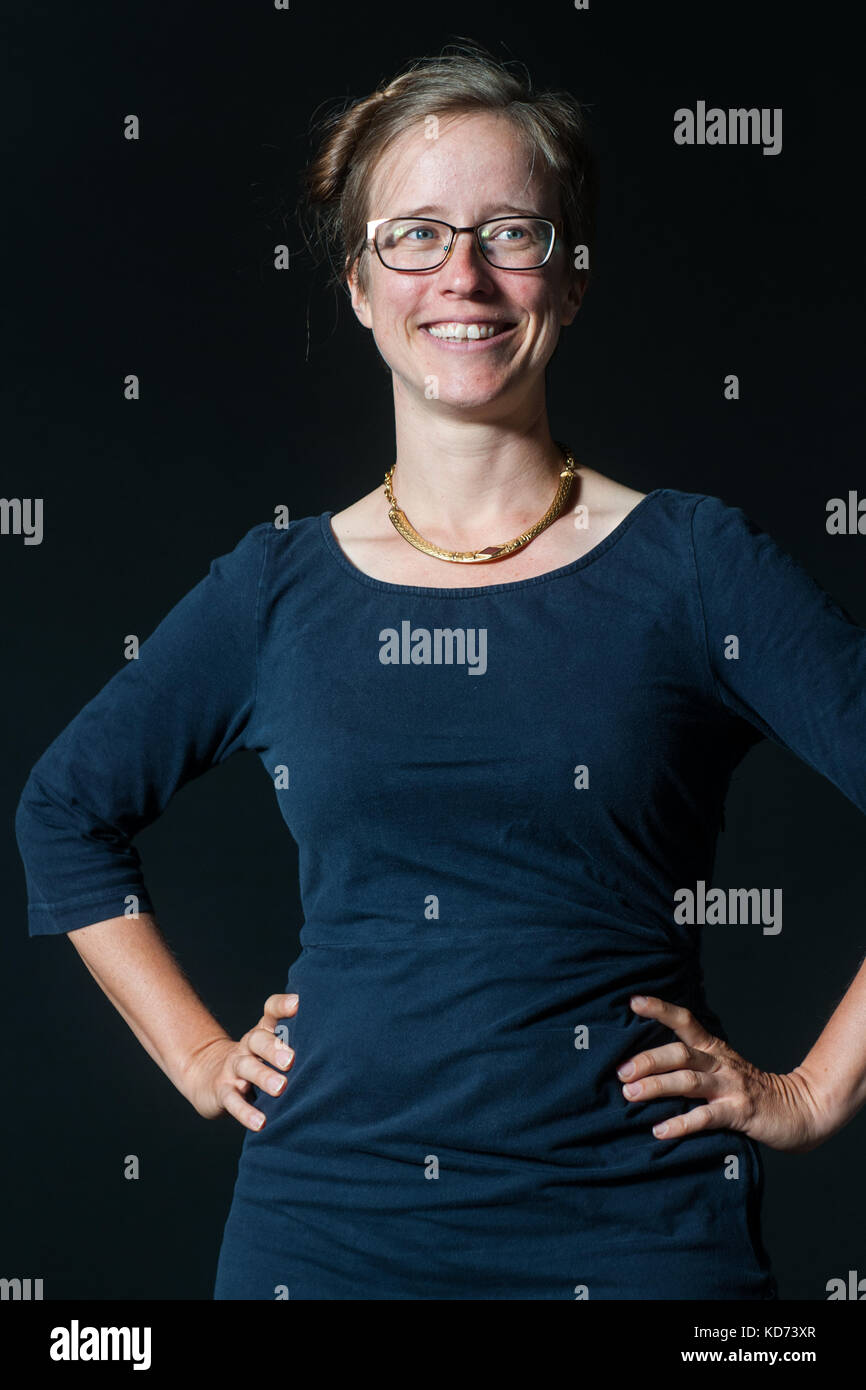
(456, 478)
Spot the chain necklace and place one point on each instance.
(490, 552)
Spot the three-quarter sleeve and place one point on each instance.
(182, 706)
(783, 654)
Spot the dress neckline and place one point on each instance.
(336, 552)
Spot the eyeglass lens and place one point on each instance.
(420, 244)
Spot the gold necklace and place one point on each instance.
(490, 552)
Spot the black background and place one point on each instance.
(259, 388)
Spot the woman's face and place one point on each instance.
(477, 168)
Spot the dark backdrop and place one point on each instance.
(155, 258)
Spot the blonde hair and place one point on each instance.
(334, 204)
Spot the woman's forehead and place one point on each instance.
(472, 158)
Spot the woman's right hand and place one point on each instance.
(224, 1071)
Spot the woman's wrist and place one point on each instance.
(827, 1103)
(188, 1069)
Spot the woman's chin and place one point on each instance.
(443, 390)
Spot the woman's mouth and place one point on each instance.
(466, 334)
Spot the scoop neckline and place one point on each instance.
(334, 549)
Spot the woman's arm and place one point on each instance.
(784, 655)
(184, 705)
(834, 1071)
(133, 965)
(131, 962)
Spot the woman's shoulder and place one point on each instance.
(612, 502)
(609, 506)
(284, 530)
(688, 512)
(683, 534)
(261, 555)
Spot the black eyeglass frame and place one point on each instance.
(374, 225)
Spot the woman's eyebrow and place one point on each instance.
(510, 211)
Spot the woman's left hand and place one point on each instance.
(775, 1109)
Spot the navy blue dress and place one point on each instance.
(496, 794)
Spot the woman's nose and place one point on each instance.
(465, 261)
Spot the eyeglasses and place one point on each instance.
(419, 243)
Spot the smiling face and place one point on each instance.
(509, 321)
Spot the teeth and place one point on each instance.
(463, 330)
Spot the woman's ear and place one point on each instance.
(360, 303)
(572, 300)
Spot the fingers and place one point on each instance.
(261, 1042)
(234, 1104)
(698, 1079)
(674, 1016)
(675, 1069)
(246, 1065)
(669, 1057)
(682, 1062)
(689, 1082)
(702, 1117)
(249, 1063)
(278, 1006)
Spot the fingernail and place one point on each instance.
(659, 1130)
(625, 1070)
(633, 1089)
(293, 999)
(283, 1058)
(638, 999)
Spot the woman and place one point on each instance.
(499, 707)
